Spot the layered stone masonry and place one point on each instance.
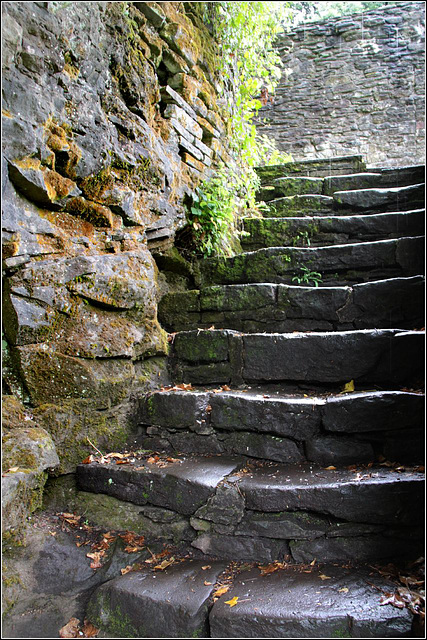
(353, 84)
(110, 120)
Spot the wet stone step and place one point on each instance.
(309, 230)
(397, 302)
(290, 186)
(289, 603)
(385, 356)
(340, 429)
(181, 486)
(312, 168)
(344, 604)
(157, 604)
(402, 256)
(299, 205)
(396, 198)
(372, 179)
(262, 512)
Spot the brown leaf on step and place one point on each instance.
(323, 577)
(207, 566)
(330, 468)
(71, 629)
(96, 559)
(184, 386)
(70, 518)
(169, 459)
(89, 630)
(221, 590)
(394, 599)
(225, 387)
(212, 328)
(126, 570)
(122, 461)
(133, 541)
(89, 459)
(269, 568)
(115, 455)
(207, 583)
(343, 590)
(153, 459)
(164, 564)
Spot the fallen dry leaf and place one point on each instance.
(71, 629)
(164, 564)
(220, 592)
(225, 387)
(232, 602)
(323, 577)
(348, 387)
(207, 566)
(394, 599)
(96, 559)
(126, 570)
(343, 590)
(206, 583)
(330, 468)
(89, 630)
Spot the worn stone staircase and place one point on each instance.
(275, 462)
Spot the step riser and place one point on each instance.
(278, 232)
(346, 430)
(280, 308)
(402, 257)
(378, 357)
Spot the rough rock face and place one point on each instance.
(353, 84)
(110, 120)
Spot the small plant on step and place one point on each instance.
(216, 209)
(308, 277)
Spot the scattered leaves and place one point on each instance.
(71, 629)
(89, 630)
(220, 591)
(126, 570)
(134, 542)
(96, 559)
(164, 564)
(270, 568)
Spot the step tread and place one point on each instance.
(321, 601)
(344, 604)
(376, 495)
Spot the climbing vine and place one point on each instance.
(250, 68)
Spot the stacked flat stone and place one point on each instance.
(274, 457)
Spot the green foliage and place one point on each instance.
(246, 32)
(250, 69)
(214, 214)
(307, 277)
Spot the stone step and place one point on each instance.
(326, 230)
(397, 302)
(352, 262)
(372, 179)
(330, 430)
(240, 510)
(290, 186)
(310, 205)
(385, 356)
(289, 603)
(312, 168)
(394, 198)
(324, 602)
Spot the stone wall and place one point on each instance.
(110, 120)
(353, 84)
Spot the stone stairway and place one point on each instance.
(262, 454)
